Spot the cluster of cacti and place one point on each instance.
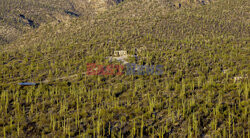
(203, 90)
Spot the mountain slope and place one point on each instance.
(19, 17)
(203, 91)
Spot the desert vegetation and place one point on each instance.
(18, 17)
(203, 92)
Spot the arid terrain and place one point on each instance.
(200, 47)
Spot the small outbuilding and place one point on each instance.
(120, 53)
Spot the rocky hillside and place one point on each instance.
(203, 91)
(19, 17)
